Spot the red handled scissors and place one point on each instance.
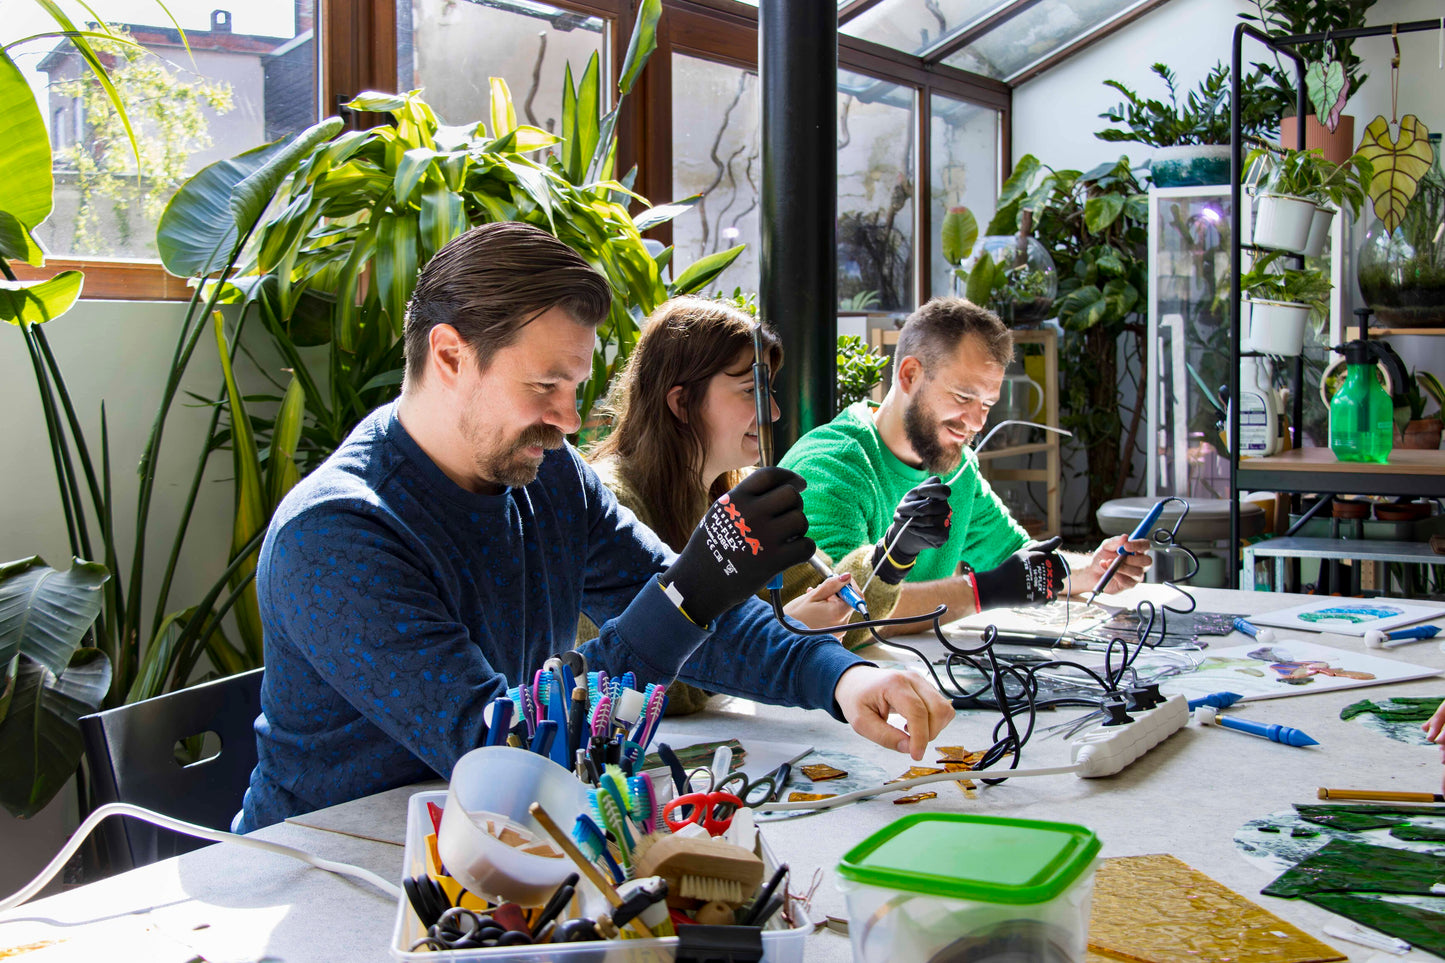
(712, 811)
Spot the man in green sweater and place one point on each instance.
(874, 478)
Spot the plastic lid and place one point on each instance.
(983, 858)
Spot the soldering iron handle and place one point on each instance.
(1145, 524)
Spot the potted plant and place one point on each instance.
(1280, 303)
(1011, 275)
(1194, 131)
(1417, 430)
(1279, 18)
(1298, 194)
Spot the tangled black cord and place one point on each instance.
(1013, 690)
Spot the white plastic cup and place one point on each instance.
(501, 781)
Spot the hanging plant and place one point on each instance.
(1399, 164)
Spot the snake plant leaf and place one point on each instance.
(40, 735)
(1325, 82)
(1399, 164)
(701, 272)
(641, 45)
(25, 303)
(29, 185)
(959, 234)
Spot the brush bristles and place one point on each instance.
(710, 889)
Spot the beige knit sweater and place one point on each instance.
(881, 597)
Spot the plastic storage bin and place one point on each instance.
(779, 945)
(944, 887)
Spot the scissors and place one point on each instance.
(770, 786)
(712, 811)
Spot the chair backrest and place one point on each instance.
(131, 755)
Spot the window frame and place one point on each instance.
(356, 42)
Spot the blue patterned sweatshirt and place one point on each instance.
(396, 605)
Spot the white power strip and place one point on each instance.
(1107, 750)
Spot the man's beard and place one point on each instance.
(922, 430)
(510, 467)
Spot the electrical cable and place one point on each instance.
(29, 890)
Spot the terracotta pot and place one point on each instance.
(1402, 512)
(1422, 433)
(1338, 146)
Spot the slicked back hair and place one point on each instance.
(491, 282)
(933, 333)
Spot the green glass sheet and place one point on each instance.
(1423, 834)
(1343, 865)
(1349, 822)
(1396, 709)
(1415, 925)
(1320, 809)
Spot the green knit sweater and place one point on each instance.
(881, 597)
(855, 483)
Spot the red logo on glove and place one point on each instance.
(740, 523)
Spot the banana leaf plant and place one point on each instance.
(336, 262)
(48, 678)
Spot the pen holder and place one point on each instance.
(498, 784)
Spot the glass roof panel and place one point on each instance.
(916, 27)
(1034, 34)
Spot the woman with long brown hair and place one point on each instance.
(684, 431)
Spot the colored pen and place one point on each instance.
(847, 593)
(1216, 700)
(1380, 795)
(1140, 531)
(1284, 735)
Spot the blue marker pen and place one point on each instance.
(1140, 531)
(1285, 735)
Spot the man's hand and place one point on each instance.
(868, 695)
(1434, 731)
(1031, 576)
(1131, 573)
(920, 522)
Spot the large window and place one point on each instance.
(451, 49)
(876, 186)
(964, 171)
(715, 153)
(248, 77)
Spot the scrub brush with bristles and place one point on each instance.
(701, 867)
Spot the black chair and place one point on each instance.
(131, 756)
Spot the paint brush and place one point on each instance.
(1380, 795)
(588, 868)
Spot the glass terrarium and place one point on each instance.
(1013, 276)
(1402, 272)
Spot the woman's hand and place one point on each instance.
(820, 606)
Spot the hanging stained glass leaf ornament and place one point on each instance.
(1328, 89)
(1399, 162)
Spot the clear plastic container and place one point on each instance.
(943, 886)
(779, 945)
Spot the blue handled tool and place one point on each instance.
(499, 721)
(546, 733)
(1285, 735)
(847, 593)
(1216, 700)
(1140, 531)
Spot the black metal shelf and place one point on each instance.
(1341, 478)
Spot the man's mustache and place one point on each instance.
(544, 436)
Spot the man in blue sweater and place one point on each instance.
(447, 547)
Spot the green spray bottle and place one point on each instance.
(1362, 414)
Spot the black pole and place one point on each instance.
(798, 76)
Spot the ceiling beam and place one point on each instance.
(852, 9)
(950, 45)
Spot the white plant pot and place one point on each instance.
(1284, 222)
(1319, 232)
(1277, 327)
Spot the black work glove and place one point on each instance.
(925, 512)
(748, 535)
(1031, 576)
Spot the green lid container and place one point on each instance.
(989, 859)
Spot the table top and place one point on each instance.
(1186, 797)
